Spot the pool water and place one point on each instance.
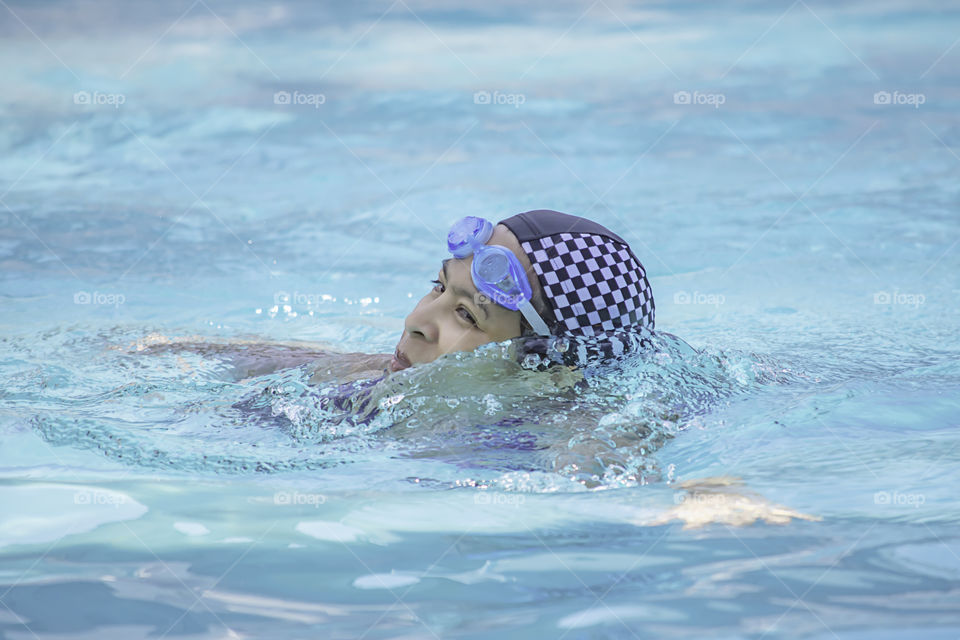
(782, 463)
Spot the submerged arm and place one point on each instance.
(251, 358)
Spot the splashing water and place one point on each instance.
(479, 412)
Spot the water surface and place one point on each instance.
(799, 230)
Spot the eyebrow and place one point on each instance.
(463, 293)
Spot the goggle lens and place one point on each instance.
(468, 233)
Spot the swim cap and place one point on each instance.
(596, 288)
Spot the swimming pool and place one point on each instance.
(787, 173)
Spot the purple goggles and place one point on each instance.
(496, 272)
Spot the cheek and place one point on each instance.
(456, 338)
(505, 328)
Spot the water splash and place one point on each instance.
(485, 419)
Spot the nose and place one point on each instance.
(420, 322)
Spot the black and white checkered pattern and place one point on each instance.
(594, 285)
(584, 352)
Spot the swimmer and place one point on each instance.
(569, 290)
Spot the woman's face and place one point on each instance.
(450, 317)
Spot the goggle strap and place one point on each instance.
(534, 318)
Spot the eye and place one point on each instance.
(466, 315)
(461, 311)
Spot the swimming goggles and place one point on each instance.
(496, 271)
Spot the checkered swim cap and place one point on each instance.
(596, 288)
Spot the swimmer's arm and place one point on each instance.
(346, 367)
(251, 358)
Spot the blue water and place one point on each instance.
(797, 213)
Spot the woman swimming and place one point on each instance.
(589, 303)
(568, 290)
(565, 294)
